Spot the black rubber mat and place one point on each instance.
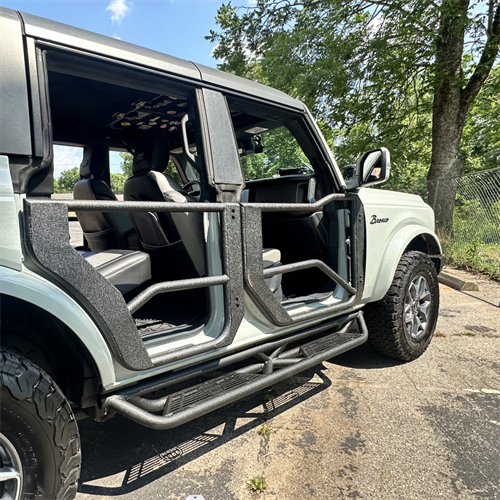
(325, 343)
(308, 299)
(195, 395)
(169, 313)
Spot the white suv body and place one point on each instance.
(239, 247)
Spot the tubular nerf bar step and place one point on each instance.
(180, 407)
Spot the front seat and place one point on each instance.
(176, 237)
(102, 230)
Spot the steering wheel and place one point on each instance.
(188, 187)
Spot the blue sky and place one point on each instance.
(175, 27)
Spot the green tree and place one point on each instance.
(66, 180)
(126, 166)
(281, 150)
(375, 72)
(481, 140)
(117, 183)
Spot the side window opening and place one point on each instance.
(121, 127)
(67, 160)
(281, 165)
(272, 153)
(173, 171)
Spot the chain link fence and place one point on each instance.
(475, 240)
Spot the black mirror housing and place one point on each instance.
(372, 167)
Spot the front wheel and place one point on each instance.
(39, 442)
(402, 324)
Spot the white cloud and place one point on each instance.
(65, 158)
(119, 9)
(117, 37)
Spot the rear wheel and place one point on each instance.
(39, 441)
(402, 324)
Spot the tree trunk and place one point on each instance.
(446, 162)
(448, 117)
(452, 100)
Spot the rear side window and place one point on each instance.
(100, 102)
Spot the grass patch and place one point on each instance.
(465, 334)
(439, 334)
(480, 257)
(257, 484)
(265, 430)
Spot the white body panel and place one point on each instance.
(10, 241)
(407, 216)
(32, 288)
(17, 281)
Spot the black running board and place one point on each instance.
(181, 407)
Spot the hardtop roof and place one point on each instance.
(63, 34)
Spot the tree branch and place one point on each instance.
(491, 8)
(487, 60)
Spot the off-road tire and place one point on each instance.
(37, 419)
(388, 334)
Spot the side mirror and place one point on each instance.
(373, 167)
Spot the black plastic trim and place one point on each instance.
(438, 260)
(50, 252)
(252, 254)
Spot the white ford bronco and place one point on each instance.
(238, 256)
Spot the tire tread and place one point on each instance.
(383, 317)
(27, 382)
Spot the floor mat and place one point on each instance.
(308, 299)
(169, 312)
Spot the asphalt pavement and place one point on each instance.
(359, 426)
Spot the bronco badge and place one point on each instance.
(378, 221)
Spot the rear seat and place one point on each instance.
(125, 269)
(128, 269)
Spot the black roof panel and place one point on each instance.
(63, 34)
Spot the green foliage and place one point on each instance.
(265, 430)
(476, 237)
(117, 183)
(475, 256)
(257, 484)
(367, 72)
(66, 180)
(281, 150)
(481, 139)
(476, 221)
(126, 166)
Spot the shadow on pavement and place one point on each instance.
(364, 358)
(138, 456)
(490, 300)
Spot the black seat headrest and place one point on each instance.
(152, 153)
(95, 162)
